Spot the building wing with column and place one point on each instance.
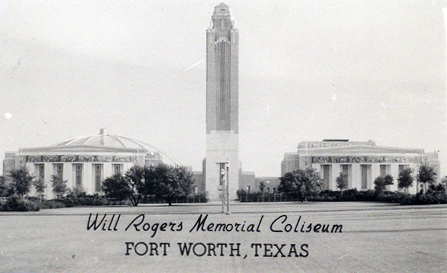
(84, 162)
(363, 161)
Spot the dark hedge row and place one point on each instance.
(15, 203)
(349, 195)
(195, 198)
(423, 199)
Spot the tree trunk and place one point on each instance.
(134, 201)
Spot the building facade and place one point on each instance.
(84, 162)
(222, 114)
(363, 162)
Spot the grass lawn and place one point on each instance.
(374, 238)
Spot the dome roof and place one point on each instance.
(103, 139)
(103, 142)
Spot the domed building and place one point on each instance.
(362, 161)
(84, 162)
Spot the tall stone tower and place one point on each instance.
(222, 117)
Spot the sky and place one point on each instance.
(308, 71)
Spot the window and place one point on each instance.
(346, 168)
(58, 170)
(384, 170)
(326, 170)
(77, 170)
(40, 171)
(365, 176)
(117, 168)
(97, 174)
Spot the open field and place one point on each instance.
(374, 238)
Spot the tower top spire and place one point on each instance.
(221, 10)
(221, 18)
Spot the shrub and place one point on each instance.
(395, 197)
(424, 199)
(59, 186)
(197, 198)
(75, 200)
(66, 201)
(14, 203)
(88, 200)
(323, 198)
(369, 195)
(50, 204)
(154, 199)
(21, 181)
(349, 195)
(408, 200)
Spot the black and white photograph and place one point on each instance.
(210, 136)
